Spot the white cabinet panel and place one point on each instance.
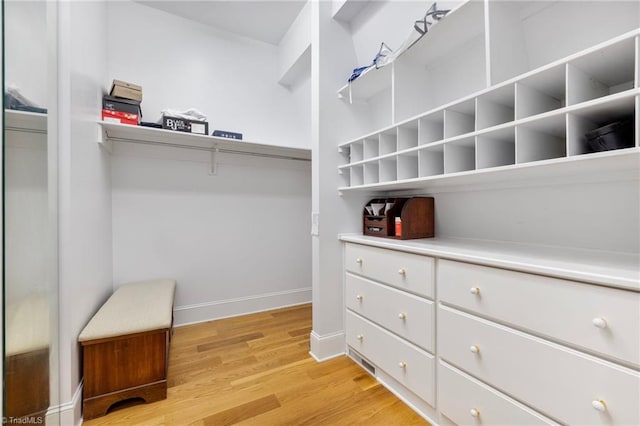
(405, 271)
(601, 319)
(408, 364)
(564, 384)
(407, 315)
(466, 401)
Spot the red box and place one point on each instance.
(120, 117)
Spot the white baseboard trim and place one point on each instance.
(324, 348)
(202, 312)
(69, 413)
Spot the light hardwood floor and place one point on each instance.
(256, 370)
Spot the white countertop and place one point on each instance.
(598, 267)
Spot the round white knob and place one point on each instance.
(599, 322)
(402, 316)
(360, 337)
(360, 297)
(474, 290)
(474, 412)
(402, 364)
(402, 272)
(599, 405)
(474, 348)
(359, 261)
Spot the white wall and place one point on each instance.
(182, 64)
(26, 215)
(25, 42)
(331, 119)
(84, 184)
(595, 215)
(236, 242)
(295, 41)
(390, 22)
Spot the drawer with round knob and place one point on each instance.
(405, 271)
(600, 319)
(564, 384)
(409, 316)
(408, 364)
(467, 401)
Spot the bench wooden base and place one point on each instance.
(27, 387)
(124, 367)
(99, 405)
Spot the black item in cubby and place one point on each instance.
(615, 135)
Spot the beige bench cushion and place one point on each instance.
(133, 308)
(27, 325)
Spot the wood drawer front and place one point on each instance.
(407, 315)
(410, 272)
(564, 310)
(389, 352)
(466, 401)
(560, 382)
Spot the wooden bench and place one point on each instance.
(126, 347)
(26, 376)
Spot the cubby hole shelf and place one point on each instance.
(540, 119)
(573, 167)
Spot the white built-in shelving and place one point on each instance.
(24, 121)
(115, 132)
(537, 120)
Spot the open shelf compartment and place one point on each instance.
(460, 156)
(408, 135)
(495, 107)
(371, 148)
(541, 139)
(408, 165)
(541, 92)
(388, 142)
(431, 161)
(496, 149)
(431, 128)
(460, 119)
(356, 175)
(371, 173)
(601, 73)
(388, 169)
(619, 115)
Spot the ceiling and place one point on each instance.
(266, 20)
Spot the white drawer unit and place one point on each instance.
(467, 401)
(409, 365)
(564, 384)
(407, 315)
(409, 272)
(596, 318)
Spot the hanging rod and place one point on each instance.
(209, 149)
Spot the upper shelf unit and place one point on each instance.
(23, 121)
(479, 44)
(539, 118)
(468, 20)
(146, 135)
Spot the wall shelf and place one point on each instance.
(115, 132)
(23, 121)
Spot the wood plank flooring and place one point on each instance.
(256, 370)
